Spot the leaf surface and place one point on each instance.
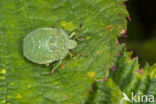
(22, 81)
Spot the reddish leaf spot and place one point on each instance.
(124, 35)
(105, 79)
(119, 54)
(113, 68)
(129, 18)
(139, 71)
(67, 96)
(123, 32)
(91, 90)
(131, 58)
(110, 27)
(62, 66)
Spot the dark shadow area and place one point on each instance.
(141, 30)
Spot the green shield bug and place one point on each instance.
(46, 45)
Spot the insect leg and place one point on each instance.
(57, 65)
(76, 33)
(70, 54)
(84, 55)
(81, 54)
(72, 34)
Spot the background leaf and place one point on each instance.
(127, 78)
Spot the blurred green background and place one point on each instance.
(141, 30)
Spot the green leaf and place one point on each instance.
(127, 78)
(105, 93)
(22, 81)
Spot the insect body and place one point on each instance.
(46, 45)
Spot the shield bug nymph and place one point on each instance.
(46, 45)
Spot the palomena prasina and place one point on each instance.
(46, 45)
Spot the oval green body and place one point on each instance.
(46, 45)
